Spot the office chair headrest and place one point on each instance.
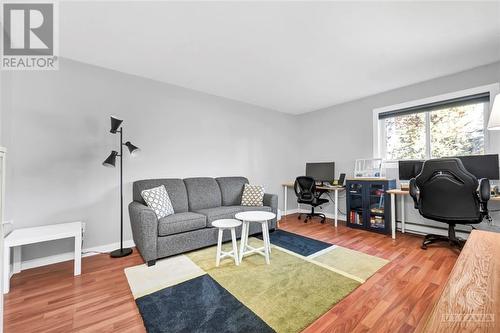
(305, 183)
(451, 167)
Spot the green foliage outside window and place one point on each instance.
(454, 131)
(405, 137)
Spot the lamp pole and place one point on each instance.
(121, 189)
(121, 252)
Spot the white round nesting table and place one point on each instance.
(255, 217)
(226, 224)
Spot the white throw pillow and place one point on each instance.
(253, 195)
(158, 200)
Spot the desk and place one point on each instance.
(24, 236)
(470, 301)
(334, 189)
(403, 193)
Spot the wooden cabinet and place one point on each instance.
(368, 204)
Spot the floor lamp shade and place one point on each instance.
(132, 148)
(111, 160)
(115, 124)
(494, 122)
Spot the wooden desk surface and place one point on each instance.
(398, 191)
(470, 301)
(329, 188)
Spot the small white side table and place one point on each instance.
(222, 225)
(24, 236)
(256, 217)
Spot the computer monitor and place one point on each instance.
(321, 172)
(409, 169)
(482, 166)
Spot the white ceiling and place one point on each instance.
(292, 57)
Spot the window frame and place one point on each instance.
(379, 130)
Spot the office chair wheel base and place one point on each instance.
(452, 241)
(458, 243)
(322, 221)
(299, 217)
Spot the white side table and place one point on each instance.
(227, 224)
(255, 217)
(24, 236)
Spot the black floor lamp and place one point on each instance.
(110, 162)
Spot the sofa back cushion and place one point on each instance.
(231, 189)
(202, 193)
(175, 188)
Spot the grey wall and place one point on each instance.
(347, 132)
(56, 127)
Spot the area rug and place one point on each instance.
(299, 244)
(187, 293)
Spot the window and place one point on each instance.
(444, 128)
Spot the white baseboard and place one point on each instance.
(428, 229)
(54, 259)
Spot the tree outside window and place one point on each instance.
(450, 131)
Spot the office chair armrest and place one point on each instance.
(318, 193)
(484, 190)
(484, 194)
(414, 192)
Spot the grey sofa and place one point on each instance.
(197, 203)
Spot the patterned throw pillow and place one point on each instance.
(253, 195)
(158, 200)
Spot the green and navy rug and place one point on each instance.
(306, 277)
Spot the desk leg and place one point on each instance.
(78, 253)
(403, 214)
(285, 190)
(16, 262)
(6, 269)
(393, 215)
(336, 196)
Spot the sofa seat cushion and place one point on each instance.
(228, 212)
(250, 208)
(181, 222)
(217, 213)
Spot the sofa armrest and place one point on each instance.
(144, 229)
(271, 200)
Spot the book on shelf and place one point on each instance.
(356, 217)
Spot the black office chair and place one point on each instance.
(445, 191)
(305, 189)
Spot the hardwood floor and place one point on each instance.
(50, 299)
(396, 297)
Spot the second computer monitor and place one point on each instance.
(409, 169)
(482, 166)
(321, 172)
